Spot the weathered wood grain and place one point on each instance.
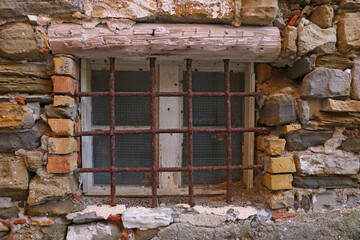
(177, 41)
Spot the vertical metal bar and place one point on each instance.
(190, 131)
(154, 179)
(228, 130)
(112, 130)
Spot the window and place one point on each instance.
(150, 133)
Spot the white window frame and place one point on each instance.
(170, 109)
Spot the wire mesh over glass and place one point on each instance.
(124, 157)
(210, 148)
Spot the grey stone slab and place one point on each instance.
(303, 139)
(329, 182)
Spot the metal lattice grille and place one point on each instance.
(190, 130)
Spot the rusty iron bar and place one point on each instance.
(169, 94)
(228, 129)
(171, 130)
(190, 165)
(112, 131)
(154, 178)
(171, 169)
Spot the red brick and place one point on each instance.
(62, 164)
(4, 222)
(63, 85)
(61, 127)
(283, 215)
(19, 221)
(115, 218)
(77, 197)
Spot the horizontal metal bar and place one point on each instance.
(169, 94)
(170, 169)
(171, 130)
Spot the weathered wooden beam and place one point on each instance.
(178, 41)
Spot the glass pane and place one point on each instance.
(211, 111)
(130, 151)
(210, 148)
(129, 111)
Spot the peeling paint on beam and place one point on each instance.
(198, 41)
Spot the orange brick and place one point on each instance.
(281, 165)
(62, 164)
(63, 100)
(66, 66)
(278, 181)
(64, 85)
(61, 127)
(291, 127)
(62, 145)
(271, 144)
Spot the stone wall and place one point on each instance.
(310, 153)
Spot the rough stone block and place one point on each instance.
(303, 139)
(197, 11)
(22, 8)
(291, 128)
(281, 165)
(300, 68)
(63, 145)
(258, 12)
(329, 182)
(333, 61)
(21, 69)
(34, 160)
(312, 38)
(325, 201)
(322, 16)
(63, 101)
(325, 82)
(272, 145)
(289, 37)
(304, 111)
(355, 86)
(52, 208)
(61, 127)
(337, 163)
(63, 85)
(135, 10)
(348, 28)
(24, 84)
(333, 119)
(351, 144)
(61, 112)
(62, 164)
(54, 188)
(8, 209)
(27, 140)
(15, 116)
(146, 218)
(278, 181)
(331, 105)
(278, 199)
(66, 66)
(18, 42)
(14, 178)
(277, 110)
(97, 230)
